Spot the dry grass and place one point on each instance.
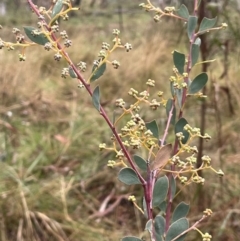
(54, 184)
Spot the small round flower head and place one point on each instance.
(120, 154)
(151, 82)
(65, 73)
(136, 118)
(169, 10)
(16, 31)
(135, 108)
(116, 32)
(133, 92)
(117, 41)
(55, 28)
(81, 86)
(96, 63)
(47, 46)
(206, 159)
(40, 24)
(111, 163)
(64, 34)
(105, 46)
(125, 130)
(65, 17)
(42, 10)
(102, 53)
(183, 179)
(206, 237)
(194, 149)
(115, 64)
(22, 57)
(135, 143)
(67, 43)
(128, 47)
(57, 56)
(180, 136)
(220, 173)
(144, 94)
(208, 212)
(198, 179)
(184, 85)
(154, 104)
(20, 38)
(224, 25)
(131, 123)
(156, 18)
(120, 103)
(9, 47)
(207, 137)
(132, 198)
(126, 143)
(102, 146)
(148, 133)
(35, 32)
(82, 66)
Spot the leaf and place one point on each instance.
(168, 109)
(98, 72)
(194, 54)
(198, 83)
(207, 24)
(183, 12)
(162, 157)
(179, 127)
(160, 191)
(153, 127)
(128, 176)
(192, 23)
(148, 226)
(140, 162)
(176, 229)
(172, 89)
(179, 93)
(180, 211)
(173, 187)
(163, 207)
(96, 98)
(131, 238)
(39, 39)
(179, 61)
(198, 41)
(159, 224)
(72, 72)
(57, 8)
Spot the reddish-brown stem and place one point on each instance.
(170, 114)
(169, 197)
(184, 97)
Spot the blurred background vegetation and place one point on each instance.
(54, 183)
